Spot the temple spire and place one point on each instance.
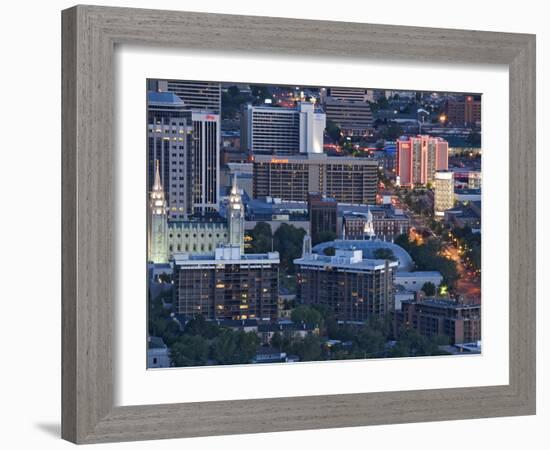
(236, 217)
(306, 246)
(234, 188)
(157, 186)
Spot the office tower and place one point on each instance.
(197, 95)
(444, 195)
(157, 245)
(227, 285)
(442, 317)
(170, 140)
(205, 176)
(346, 179)
(282, 131)
(323, 215)
(464, 112)
(352, 287)
(235, 217)
(353, 117)
(418, 158)
(348, 94)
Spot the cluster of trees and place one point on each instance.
(324, 236)
(200, 342)
(417, 201)
(472, 243)
(234, 98)
(203, 342)
(333, 131)
(369, 340)
(232, 101)
(426, 257)
(287, 240)
(384, 253)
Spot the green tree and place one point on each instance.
(189, 350)
(288, 242)
(392, 131)
(324, 236)
(384, 253)
(403, 241)
(199, 326)
(308, 349)
(233, 91)
(371, 341)
(306, 314)
(262, 238)
(277, 341)
(333, 131)
(234, 347)
(429, 289)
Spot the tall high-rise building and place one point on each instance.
(197, 95)
(346, 179)
(157, 237)
(187, 145)
(323, 216)
(170, 142)
(353, 117)
(418, 158)
(235, 217)
(282, 131)
(444, 195)
(205, 177)
(227, 285)
(354, 288)
(465, 111)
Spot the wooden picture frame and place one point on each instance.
(90, 34)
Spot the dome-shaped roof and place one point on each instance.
(368, 247)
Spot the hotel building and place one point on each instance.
(283, 131)
(418, 158)
(353, 287)
(346, 179)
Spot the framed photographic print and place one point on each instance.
(267, 230)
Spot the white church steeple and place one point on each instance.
(235, 216)
(158, 244)
(368, 229)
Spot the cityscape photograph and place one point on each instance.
(288, 224)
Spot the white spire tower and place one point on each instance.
(158, 243)
(235, 217)
(368, 230)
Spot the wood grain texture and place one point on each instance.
(89, 36)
